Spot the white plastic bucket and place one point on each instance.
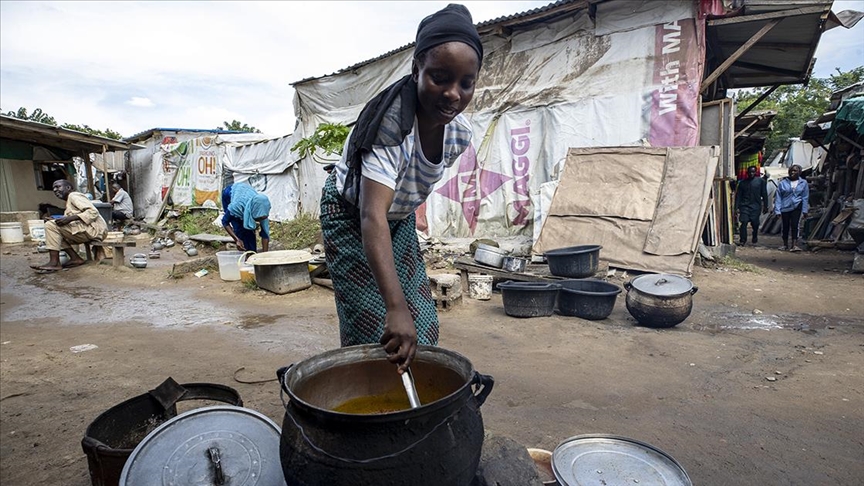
(480, 286)
(229, 270)
(37, 229)
(11, 233)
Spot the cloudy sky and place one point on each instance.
(131, 66)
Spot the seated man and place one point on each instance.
(81, 223)
(122, 204)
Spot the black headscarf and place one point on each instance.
(396, 105)
(453, 23)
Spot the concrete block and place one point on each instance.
(446, 286)
(505, 462)
(858, 263)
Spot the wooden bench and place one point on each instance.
(117, 246)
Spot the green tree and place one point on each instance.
(329, 137)
(107, 133)
(797, 104)
(38, 116)
(236, 126)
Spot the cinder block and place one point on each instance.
(446, 286)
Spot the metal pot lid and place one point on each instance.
(199, 446)
(662, 285)
(610, 459)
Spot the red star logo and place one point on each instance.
(471, 185)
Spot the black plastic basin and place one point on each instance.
(529, 299)
(589, 298)
(575, 261)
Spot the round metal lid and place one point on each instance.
(610, 459)
(198, 447)
(662, 285)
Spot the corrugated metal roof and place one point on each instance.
(147, 133)
(782, 56)
(527, 17)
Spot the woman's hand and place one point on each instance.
(239, 244)
(400, 338)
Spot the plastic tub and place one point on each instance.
(36, 228)
(229, 269)
(529, 299)
(589, 299)
(11, 233)
(282, 271)
(247, 271)
(575, 261)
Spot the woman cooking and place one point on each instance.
(245, 209)
(403, 141)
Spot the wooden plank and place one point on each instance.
(758, 100)
(769, 15)
(859, 186)
(738, 53)
(533, 272)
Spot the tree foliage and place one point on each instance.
(329, 137)
(39, 116)
(797, 104)
(107, 133)
(237, 126)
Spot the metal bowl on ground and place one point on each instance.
(589, 298)
(660, 300)
(489, 255)
(138, 260)
(574, 261)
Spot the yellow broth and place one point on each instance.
(376, 404)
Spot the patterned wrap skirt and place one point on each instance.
(359, 304)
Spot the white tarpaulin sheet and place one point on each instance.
(541, 91)
(268, 165)
(648, 219)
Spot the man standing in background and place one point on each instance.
(751, 200)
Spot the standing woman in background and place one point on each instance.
(403, 141)
(791, 202)
(245, 208)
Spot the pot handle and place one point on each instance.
(482, 387)
(628, 286)
(281, 373)
(694, 290)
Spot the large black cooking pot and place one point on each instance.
(437, 444)
(660, 300)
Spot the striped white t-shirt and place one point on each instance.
(405, 169)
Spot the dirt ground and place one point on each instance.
(763, 384)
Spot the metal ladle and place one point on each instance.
(408, 383)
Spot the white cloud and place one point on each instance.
(138, 101)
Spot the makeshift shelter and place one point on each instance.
(148, 182)
(33, 155)
(589, 73)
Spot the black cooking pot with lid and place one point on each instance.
(660, 300)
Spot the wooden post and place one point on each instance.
(107, 182)
(88, 167)
(738, 53)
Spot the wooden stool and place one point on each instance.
(117, 246)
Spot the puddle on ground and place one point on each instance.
(257, 320)
(797, 322)
(89, 305)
